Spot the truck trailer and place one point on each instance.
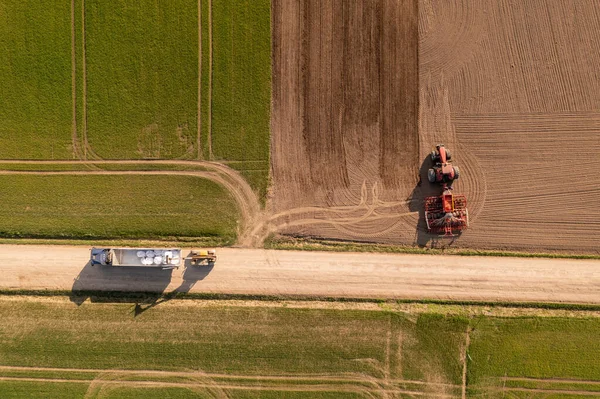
(138, 257)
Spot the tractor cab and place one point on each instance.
(442, 172)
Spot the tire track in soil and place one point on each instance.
(437, 126)
(341, 378)
(361, 220)
(524, 203)
(109, 381)
(449, 34)
(525, 106)
(97, 387)
(464, 357)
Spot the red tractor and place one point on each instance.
(442, 172)
(446, 214)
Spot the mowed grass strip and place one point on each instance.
(35, 79)
(142, 78)
(534, 347)
(133, 206)
(241, 95)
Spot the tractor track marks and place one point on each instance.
(449, 34)
(96, 386)
(371, 217)
(365, 385)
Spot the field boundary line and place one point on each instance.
(199, 118)
(87, 149)
(275, 388)
(84, 80)
(388, 345)
(465, 356)
(210, 79)
(166, 373)
(74, 138)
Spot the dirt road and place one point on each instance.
(255, 271)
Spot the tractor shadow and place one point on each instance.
(144, 287)
(422, 190)
(193, 274)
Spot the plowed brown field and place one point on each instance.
(345, 106)
(362, 90)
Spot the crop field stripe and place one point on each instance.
(465, 356)
(74, 138)
(167, 373)
(84, 81)
(278, 388)
(210, 78)
(199, 116)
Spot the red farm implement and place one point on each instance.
(446, 214)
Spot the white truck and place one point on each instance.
(139, 257)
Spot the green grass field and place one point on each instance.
(241, 82)
(142, 73)
(244, 352)
(35, 79)
(135, 207)
(194, 348)
(504, 350)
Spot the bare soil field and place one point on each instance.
(510, 87)
(344, 118)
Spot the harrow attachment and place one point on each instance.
(446, 214)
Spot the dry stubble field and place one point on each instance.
(510, 87)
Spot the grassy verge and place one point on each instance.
(142, 69)
(457, 308)
(124, 242)
(95, 166)
(305, 244)
(121, 207)
(35, 79)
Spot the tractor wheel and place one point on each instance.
(456, 172)
(431, 175)
(448, 156)
(434, 156)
